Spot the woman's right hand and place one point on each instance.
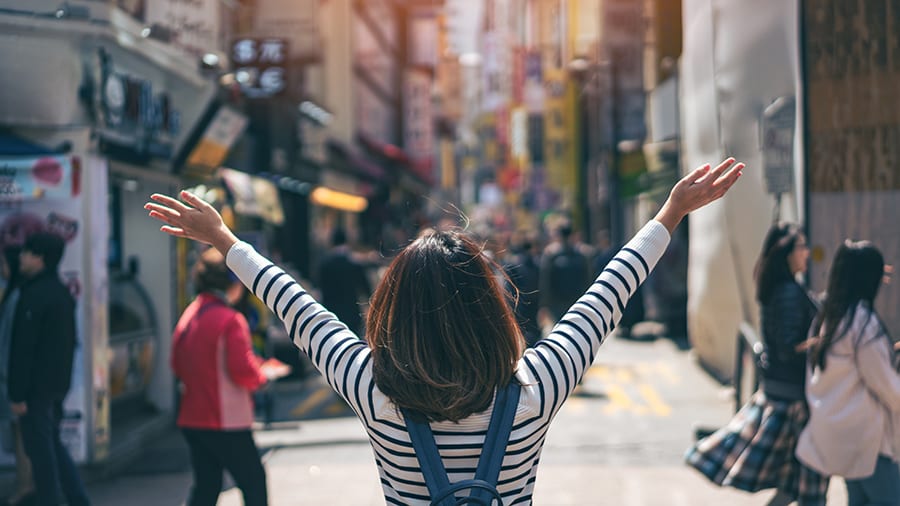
(702, 186)
(197, 220)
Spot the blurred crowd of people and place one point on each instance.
(544, 272)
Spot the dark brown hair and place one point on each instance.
(442, 336)
(210, 273)
(772, 267)
(855, 277)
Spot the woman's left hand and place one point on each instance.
(197, 220)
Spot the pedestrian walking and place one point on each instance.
(213, 359)
(10, 434)
(851, 384)
(343, 282)
(441, 341)
(755, 451)
(522, 282)
(42, 351)
(565, 272)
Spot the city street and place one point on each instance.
(619, 441)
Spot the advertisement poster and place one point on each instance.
(44, 194)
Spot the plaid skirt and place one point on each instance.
(755, 451)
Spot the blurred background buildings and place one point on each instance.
(383, 116)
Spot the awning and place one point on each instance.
(254, 196)
(420, 169)
(13, 145)
(346, 159)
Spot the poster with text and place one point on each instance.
(44, 194)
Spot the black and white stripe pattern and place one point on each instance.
(548, 372)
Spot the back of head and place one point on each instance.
(210, 273)
(442, 336)
(772, 267)
(855, 276)
(338, 237)
(48, 246)
(565, 230)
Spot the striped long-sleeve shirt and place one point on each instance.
(548, 372)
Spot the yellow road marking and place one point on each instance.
(310, 402)
(335, 408)
(624, 375)
(657, 405)
(619, 400)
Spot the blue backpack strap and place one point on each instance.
(497, 437)
(488, 470)
(427, 454)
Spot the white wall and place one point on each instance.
(738, 57)
(141, 237)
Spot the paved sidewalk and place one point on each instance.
(329, 462)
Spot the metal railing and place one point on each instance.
(748, 352)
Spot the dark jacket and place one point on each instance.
(565, 275)
(43, 341)
(343, 281)
(524, 273)
(786, 319)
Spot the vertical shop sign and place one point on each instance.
(44, 194)
(97, 303)
(534, 82)
(418, 136)
(623, 34)
(518, 75)
(492, 69)
(423, 37)
(558, 137)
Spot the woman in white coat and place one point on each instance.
(853, 388)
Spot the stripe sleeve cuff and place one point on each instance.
(245, 261)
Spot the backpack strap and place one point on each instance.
(497, 437)
(494, 449)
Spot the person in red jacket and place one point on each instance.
(213, 358)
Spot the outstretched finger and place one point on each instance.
(731, 175)
(714, 174)
(169, 202)
(194, 200)
(727, 180)
(728, 162)
(176, 231)
(697, 174)
(169, 220)
(163, 210)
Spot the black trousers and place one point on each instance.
(56, 478)
(215, 451)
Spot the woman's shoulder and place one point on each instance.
(788, 290)
(866, 323)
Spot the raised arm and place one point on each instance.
(334, 350)
(558, 362)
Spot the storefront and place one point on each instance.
(110, 110)
(52, 192)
